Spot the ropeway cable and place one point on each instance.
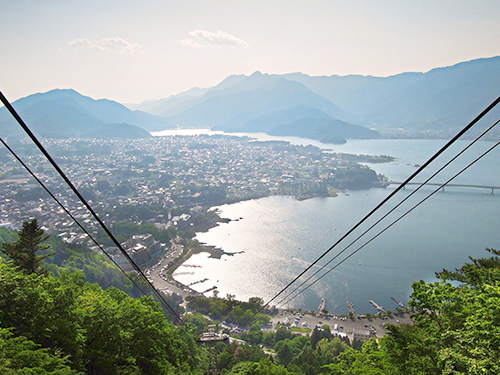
(395, 221)
(384, 201)
(138, 270)
(86, 204)
(68, 213)
(162, 300)
(282, 301)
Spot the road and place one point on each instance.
(156, 274)
(345, 326)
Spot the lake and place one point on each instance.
(278, 237)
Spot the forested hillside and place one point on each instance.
(61, 324)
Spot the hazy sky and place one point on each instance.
(130, 51)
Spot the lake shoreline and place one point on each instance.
(457, 224)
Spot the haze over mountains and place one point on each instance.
(66, 113)
(433, 104)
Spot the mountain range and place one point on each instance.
(67, 114)
(433, 104)
(329, 108)
(440, 98)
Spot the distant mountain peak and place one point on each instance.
(431, 104)
(258, 74)
(65, 113)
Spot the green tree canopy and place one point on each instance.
(19, 355)
(25, 251)
(97, 331)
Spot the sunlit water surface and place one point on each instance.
(277, 237)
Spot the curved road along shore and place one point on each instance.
(155, 274)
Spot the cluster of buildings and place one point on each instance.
(142, 248)
(181, 172)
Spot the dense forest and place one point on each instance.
(56, 318)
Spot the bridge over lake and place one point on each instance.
(487, 187)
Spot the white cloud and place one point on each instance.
(191, 43)
(117, 45)
(83, 42)
(207, 39)
(120, 45)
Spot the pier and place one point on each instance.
(209, 289)
(488, 187)
(350, 305)
(183, 273)
(199, 281)
(399, 303)
(378, 307)
(321, 307)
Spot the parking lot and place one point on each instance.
(339, 323)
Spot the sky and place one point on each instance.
(132, 51)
